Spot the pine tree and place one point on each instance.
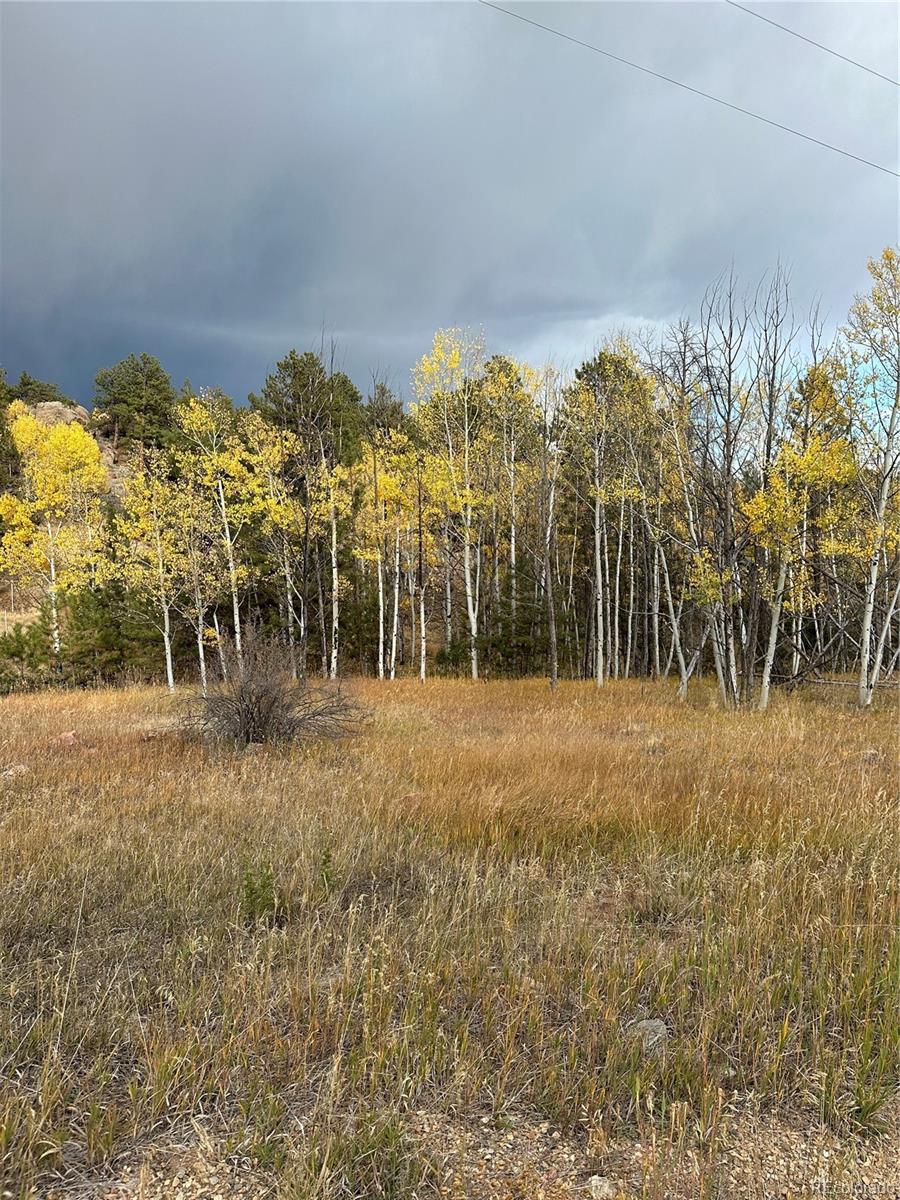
(134, 403)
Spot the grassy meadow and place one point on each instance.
(308, 959)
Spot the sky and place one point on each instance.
(216, 182)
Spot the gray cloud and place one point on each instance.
(215, 182)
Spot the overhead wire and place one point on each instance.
(689, 88)
(751, 12)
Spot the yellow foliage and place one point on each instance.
(705, 579)
(51, 539)
(61, 463)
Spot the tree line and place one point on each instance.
(721, 498)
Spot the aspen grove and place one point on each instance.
(721, 499)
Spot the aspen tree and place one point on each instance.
(391, 501)
(331, 493)
(707, 500)
(873, 334)
(369, 544)
(447, 387)
(511, 391)
(50, 543)
(280, 514)
(587, 420)
(552, 434)
(221, 468)
(149, 526)
(202, 567)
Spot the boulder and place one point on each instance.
(54, 412)
(652, 1034)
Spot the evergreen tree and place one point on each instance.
(384, 412)
(9, 459)
(33, 391)
(134, 402)
(321, 406)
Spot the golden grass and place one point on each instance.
(10, 617)
(464, 907)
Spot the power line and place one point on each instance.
(687, 88)
(751, 12)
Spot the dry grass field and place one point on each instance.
(413, 964)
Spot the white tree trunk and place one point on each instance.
(773, 635)
(380, 617)
(232, 575)
(615, 621)
(395, 620)
(865, 637)
(607, 607)
(335, 595)
(718, 644)
(448, 593)
(167, 643)
(513, 523)
(165, 607)
(683, 673)
(290, 615)
(875, 673)
(654, 615)
(411, 587)
(630, 633)
(201, 651)
(55, 639)
(471, 607)
(598, 573)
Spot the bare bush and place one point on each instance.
(255, 699)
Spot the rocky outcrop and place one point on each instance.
(54, 412)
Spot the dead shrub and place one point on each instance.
(255, 700)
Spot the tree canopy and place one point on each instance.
(134, 402)
(716, 499)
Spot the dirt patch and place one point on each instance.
(517, 1158)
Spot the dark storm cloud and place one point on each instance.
(217, 182)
